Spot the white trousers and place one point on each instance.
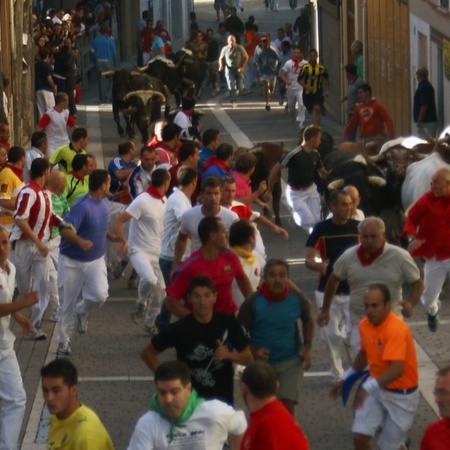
(44, 100)
(337, 331)
(151, 290)
(393, 412)
(294, 97)
(13, 401)
(435, 272)
(53, 272)
(74, 278)
(306, 206)
(32, 273)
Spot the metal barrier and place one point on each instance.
(84, 62)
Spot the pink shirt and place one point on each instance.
(243, 186)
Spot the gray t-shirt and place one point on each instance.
(392, 268)
(234, 57)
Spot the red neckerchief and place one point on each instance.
(215, 161)
(372, 257)
(296, 63)
(151, 190)
(153, 141)
(270, 296)
(186, 112)
(243, 211)
(5, 144)
(17, 171)
(78, 177)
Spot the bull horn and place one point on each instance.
(160, 95)
(430, 138)
(419, 156)
(377, 181)
(144, 94)
(108, 73)
(255, 149)
(336, 184)
(136, 74)
(187, 51)
(142, 69)
(376, 158)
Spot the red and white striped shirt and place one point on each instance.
(34, 205)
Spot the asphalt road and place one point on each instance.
(113, 379)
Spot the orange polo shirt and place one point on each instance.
(392, 340)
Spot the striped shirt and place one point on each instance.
(313, 76)
(34, 205)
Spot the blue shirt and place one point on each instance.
(157, 44)
(104, 48)
(273, 325)
(205, 153)
(91, 220)
(215, 171)
(115, 164)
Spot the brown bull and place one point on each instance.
(267, 155)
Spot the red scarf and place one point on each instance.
(296, 63)
(215, 161)
(78, 177)
(151, 190)
(17, 171)
(264, 289)
(367, 261)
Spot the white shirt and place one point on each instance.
(292, 73)
(30, 156)
(57, 130)
(208, 429)
(185, 122)
(7, 338)
(177, 204)
(146, 228)
(191, 219)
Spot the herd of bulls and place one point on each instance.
(139, 95)
(390, 176)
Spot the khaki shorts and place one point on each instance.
(290, 376)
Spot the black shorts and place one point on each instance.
(309, 100)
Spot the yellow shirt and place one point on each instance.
(81, 431)
(10, 186)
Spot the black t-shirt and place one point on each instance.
(331, 241)
(195, 344)
(213, 51)
(302, 166)
(41, 71)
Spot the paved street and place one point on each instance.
(116, 383)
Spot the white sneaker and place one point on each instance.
(82, 323)
(38, 335)
(138, 314)
(63, 351)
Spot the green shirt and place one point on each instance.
(60, 207)
(64, 156)
(75, 188)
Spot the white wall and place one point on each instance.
(436, 75)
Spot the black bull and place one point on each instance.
(139, 98)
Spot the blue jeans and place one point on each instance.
(104, 83)
(163, 318)
(235, 81)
